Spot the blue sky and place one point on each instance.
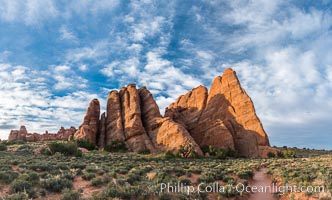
(55, 56)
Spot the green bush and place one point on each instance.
(86, 144)
(88, 176)
(271, 155)
(45, 151)
(21, 186)
(116, 146)
(221, 154)
(96, 182)
(56, 184)
(18, 196)
(205, 149)
(67, 149)
(169, 155)
(8, 176)
(245, 174)
(30, 176)
(231, 153)
(3, 147)
(68, 194)
(287, 153)
(187, 151)
(146, 151)
(15, 142)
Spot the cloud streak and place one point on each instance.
(280, 50)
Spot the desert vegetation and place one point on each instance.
(59, 170)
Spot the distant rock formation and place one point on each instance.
(22, 134)
(224, 118)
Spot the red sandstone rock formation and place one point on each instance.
(225, 118)
(22, 134)
(90, 126)
(133, 117)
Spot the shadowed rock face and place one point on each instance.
(225, 118)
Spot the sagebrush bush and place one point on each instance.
(56, 184)
(22, 186)
(88, 176)
(116, 146)
(67, 149)
(45, 151)
(86, 144)
(187, 151)
(96, 182)
(8, 176)
(3, 147)
(15, 142)
(68, 194)
(169, 155)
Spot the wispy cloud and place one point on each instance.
(25, 99)
(280, 50)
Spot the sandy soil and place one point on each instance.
(261, 179)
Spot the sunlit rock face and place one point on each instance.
(224, 117)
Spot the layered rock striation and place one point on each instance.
(224, 118)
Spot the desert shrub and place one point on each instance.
(30, 176)
(206, 178)
(67, 149)
(287, 153)
(122, 170)
(45, 151)
(245, 174)
(96, 182)
(86, 144)
(270, 155)
(18, 196)
(41, 167)
(231, 153)
(169, 155)
(221, 154)
(13, 142)
(77, 165)
(56, 184)
(187, 151)
(146, 151)
(68, 194)
(92, 168)
(205, 149)
(8, 176)
(20, 186)
(229, 191)
(3, 147)
(185, 181)
(68, 175)
(133, 177)
(88, 176)
(24, 147)
(116, 146)
(124, 192)
(165, 196)
(212, 150)
(195, 170)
